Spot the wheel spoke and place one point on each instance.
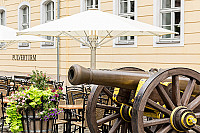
(196, 128)
(176, 90)
(116, 126)
(165, 97)
(147, 130)
(197, 115)
(194, 103)
(188, 92)
(164, 129)
(130, 128)
(108, 93)
(156, 122)
(107, 118)
(158, 107)
(102, 106)
(124, 127)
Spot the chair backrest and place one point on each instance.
(51, 84)
(87, 89)
(4, 85)
(59, 84)
(78, 98)
(22, 80)
(74, 89)
(3, 109)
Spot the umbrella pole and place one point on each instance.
(93, 58)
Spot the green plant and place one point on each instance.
(39, 79)
(31, 98)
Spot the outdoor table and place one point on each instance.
(67, 109)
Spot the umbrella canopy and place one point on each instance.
(95, 24)
(9, 35)
(94, 20)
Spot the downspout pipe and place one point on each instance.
(58, 44)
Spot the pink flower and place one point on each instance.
(53, 90)
(60, 88)
(56, 95)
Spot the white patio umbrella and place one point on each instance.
(93, 27)
(9, 36)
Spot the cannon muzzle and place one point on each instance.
(122, 79)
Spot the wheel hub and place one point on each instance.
(182, 119)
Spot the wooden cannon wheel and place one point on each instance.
(94, 124)
(118, 123)
(178, 107)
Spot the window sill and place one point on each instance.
(125, 45)
(168, 44)
(173, 42)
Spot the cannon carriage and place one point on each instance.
(152, 102)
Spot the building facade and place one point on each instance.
(179, 50)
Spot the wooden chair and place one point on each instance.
(79, 115)
(60, 120)
(3, 112)
(5, 88)
(67, 101)
(74, 89)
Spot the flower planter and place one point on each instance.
(32, 123)
(28, 107)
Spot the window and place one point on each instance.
(48, 14)
(127, 9)
(170, 16)
(24, 21)
(91, 4)
(2, 17)
(2, 22)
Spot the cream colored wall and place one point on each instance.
(46, 58)
(144, 56)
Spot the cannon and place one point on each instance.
(165, 101)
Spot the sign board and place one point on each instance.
(24, 57)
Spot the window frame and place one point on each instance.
(43, 11)
(84, 5)
(157, 18)
(3, 9)
(21, 7)
(116, 11)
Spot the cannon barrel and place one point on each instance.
(122, 79)
(128, 80)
